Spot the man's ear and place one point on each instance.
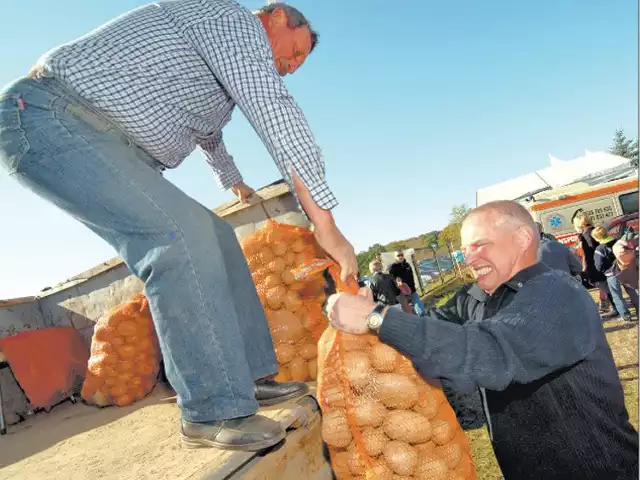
(278, 18)
(524, 237)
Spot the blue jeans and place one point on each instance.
(418, 306)
(212, 329)
(615, 287)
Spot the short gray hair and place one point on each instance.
(295, 19)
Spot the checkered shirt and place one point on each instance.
(170, 73)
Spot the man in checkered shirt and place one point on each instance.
(93, 125)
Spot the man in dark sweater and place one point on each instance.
(402, 270)
(531, 339)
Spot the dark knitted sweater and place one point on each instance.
(537, 349)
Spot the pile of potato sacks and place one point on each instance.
(293, 307)
(125, 356)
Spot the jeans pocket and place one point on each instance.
(13, 140)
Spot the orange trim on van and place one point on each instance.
(585, 195)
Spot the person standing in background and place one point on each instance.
(625, 272)
(584, 226)
(401, 269)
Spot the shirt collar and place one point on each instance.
(515, 284)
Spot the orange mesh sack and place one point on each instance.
(292, 306)
(125, 356)
(381, 420)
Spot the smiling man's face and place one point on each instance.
(493, 250)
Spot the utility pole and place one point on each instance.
(434, 246)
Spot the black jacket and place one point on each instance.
(384, 288)
(537, 350)
(403, 270)
(589, 245)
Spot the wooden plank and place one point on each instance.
(132, 443)
(269, 192)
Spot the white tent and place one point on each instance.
(558, 173)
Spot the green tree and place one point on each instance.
(430, 238)
(625, 147)
(458, 212)
(451, 234)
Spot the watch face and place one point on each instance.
(375, 320)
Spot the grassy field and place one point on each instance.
(623, 339)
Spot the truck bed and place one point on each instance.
(76, 441)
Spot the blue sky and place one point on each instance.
(416, 105)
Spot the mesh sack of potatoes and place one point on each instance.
(292, 306)
(125, 356)
(381, 420)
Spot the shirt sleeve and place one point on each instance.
(551, 323)
(238, 52)
(224, 168)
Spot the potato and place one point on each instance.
(312, 365)
(407, 426)
(340, 463)
(272, 280)
(405, 368)
(308, 351)
(430, 467)
(288, 276)
(356, 464)
(292, 301)
(373, 441)
(421, 447)
(276, 266)
(369, 412)
(289, 258)
(396, 391)
(333, 396)
(298, 246)
(451, 453)
(285, 352)
(285, 327)
(400, 457)
(279, 248)
(383, 358)
(381, 471)
(335, 429)
(275, 296)
(299, 370)
(442, 432)
(265, 255)
(455, 475)
(357, 369)
(427, 406)
(351, 342)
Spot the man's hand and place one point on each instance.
(349, 312)
(244, 192)
(333, 242)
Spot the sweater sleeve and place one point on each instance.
(551, 323)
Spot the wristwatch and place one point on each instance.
(375, 318)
